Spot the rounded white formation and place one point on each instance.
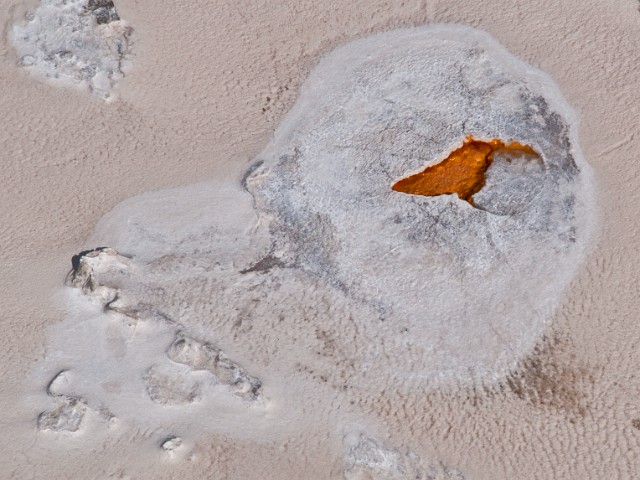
(82, 42)
(311, 283)
(463, 292)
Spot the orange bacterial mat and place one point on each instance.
(462, 172)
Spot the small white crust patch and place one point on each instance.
(79, 42)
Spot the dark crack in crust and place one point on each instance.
(264, 265)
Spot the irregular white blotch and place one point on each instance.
(364, 453)
(367, 458)
(214, 220)
(195, 354)
(66, 416)
(82, 42)
(171, 387)
(172, 445)
(203, 356)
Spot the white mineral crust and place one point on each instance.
(320, 281)
(80, 42)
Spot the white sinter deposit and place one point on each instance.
(367, 458)
(81, 42)
(259, 307)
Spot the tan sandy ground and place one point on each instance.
(211, 81)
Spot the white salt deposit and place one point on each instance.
(66, 416)
(78, 42)
(172, 445)
(258, 308)
(367, 458)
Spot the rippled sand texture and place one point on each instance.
(224, 302)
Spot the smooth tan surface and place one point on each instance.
(210, 82)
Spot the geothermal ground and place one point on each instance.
(247, 242)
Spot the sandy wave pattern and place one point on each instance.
(310, 283)
(77, 42)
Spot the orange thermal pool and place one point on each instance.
(462, 172)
